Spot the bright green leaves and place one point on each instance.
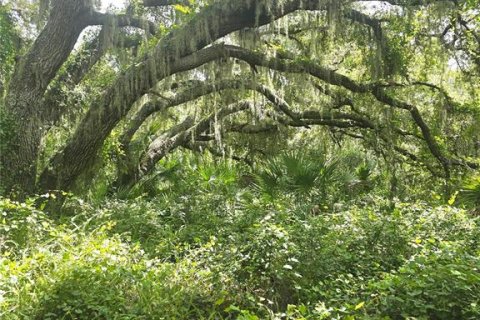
(441, 285)
(473, 4)
(469, 194)
(182, 9)
(21, 226)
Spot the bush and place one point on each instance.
(224, 252)
(22, 226)
(443, 282)
(98, 277)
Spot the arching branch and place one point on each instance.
(334, 78)
(199, 90)
(189, 94)
(177, 136)
(171, 55)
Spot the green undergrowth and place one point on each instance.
(213, 248)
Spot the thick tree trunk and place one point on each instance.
(32, 75)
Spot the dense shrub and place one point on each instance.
(227, 252)
(442, 282)
(93, 276)
(21, 226)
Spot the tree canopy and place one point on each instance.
(397, 77)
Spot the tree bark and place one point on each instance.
(33, 73)
(28, 109)
(177, 136)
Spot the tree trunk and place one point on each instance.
(23, 109)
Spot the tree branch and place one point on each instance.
(122, 20)
(171, 55)
(201, 89)
(164, 3)
(334, 78)
(178, 135)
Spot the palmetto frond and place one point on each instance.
(302, 174)
(470, 192)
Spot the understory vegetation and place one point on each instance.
(212, 241)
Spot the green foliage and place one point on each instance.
(307, 231)
(21, 226)
(294, 172)
(442, 282)
(206, 248)
(226, 253)
(313, 176)
(470, 192)
(86, 275)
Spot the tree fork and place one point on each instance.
(31, 77)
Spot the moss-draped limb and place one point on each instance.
(171, 55)
(176, 136)
(24, 102)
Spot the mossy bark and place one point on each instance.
(31, 77)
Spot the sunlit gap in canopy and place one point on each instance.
(107, 5)
(102, 6)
